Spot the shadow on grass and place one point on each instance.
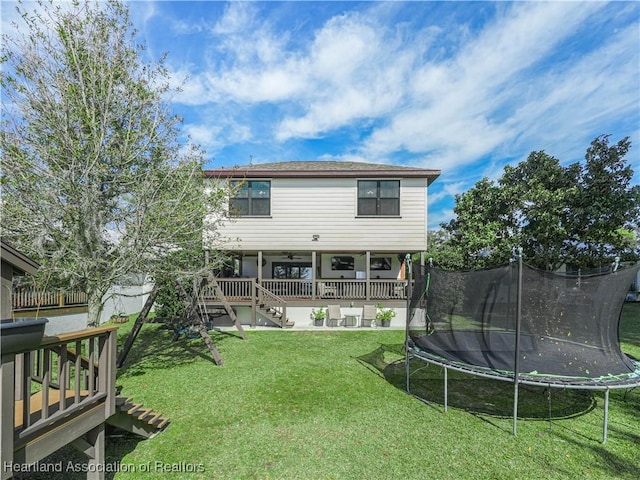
(68, 463)
(155, 349)
(617, 466)
(473, 394)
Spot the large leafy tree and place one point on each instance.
(583, 214)
(606, 212)
(95, 182)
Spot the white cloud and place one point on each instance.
(444, 94)
(436, 218)
(237, 17)
(458, 103)
(449, 189)
(213, 133)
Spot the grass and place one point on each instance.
(332, 405)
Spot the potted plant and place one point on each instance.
(21, 335)
(121, 317)
(384, 315)
(318, 316)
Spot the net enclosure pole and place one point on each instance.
(409, 267)
(516, 360)
(606, 416)
(446, 389)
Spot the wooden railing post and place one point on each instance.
(108, 369)
(7, 413)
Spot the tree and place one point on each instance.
(581, 214)
(477, 236)
(606, 212)
(95, 181)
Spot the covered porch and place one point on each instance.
(282, 287)
(315, 275)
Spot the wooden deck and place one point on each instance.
(53, 404)
(61, 393)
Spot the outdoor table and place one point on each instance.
(352, 320)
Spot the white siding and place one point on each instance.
(302, 208)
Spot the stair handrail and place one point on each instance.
(273, 301)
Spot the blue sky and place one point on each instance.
(464, 87)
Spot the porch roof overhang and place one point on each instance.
(19, 262)
(253, 253)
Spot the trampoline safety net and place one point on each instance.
(568, 324)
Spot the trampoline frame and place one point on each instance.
(414, 352)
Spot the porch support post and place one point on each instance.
(313, 275)
(254, 313)
(367, 286)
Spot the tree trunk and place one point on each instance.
(95, 305)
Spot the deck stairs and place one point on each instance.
(267, 305)
(272, 307)
(274, 315)
(136, 418)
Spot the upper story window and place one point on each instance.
(379, 197)
(250, 198)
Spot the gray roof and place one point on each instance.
(322, 169)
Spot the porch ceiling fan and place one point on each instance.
(290, 256)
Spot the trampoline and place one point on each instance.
(524, 325)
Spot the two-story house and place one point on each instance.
(313, 233)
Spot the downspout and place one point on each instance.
(367, 286)
(314, 278)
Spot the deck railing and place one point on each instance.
(74, 369)
(29, 297)
(68, 378)
(232, 288)
(289, 289)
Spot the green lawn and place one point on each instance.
(332, 405)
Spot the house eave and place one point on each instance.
(18, 260)
(317, 170)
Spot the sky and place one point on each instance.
(463, 87)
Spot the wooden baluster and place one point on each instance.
(25, 388)
(62, 376)
(78, 371)
(46, 381)
(92, 368)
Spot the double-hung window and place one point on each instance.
(250, 198)
(379, 197)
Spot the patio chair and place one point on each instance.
(368, 315)
(326, 291)
(334, 315)
(398, 290)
